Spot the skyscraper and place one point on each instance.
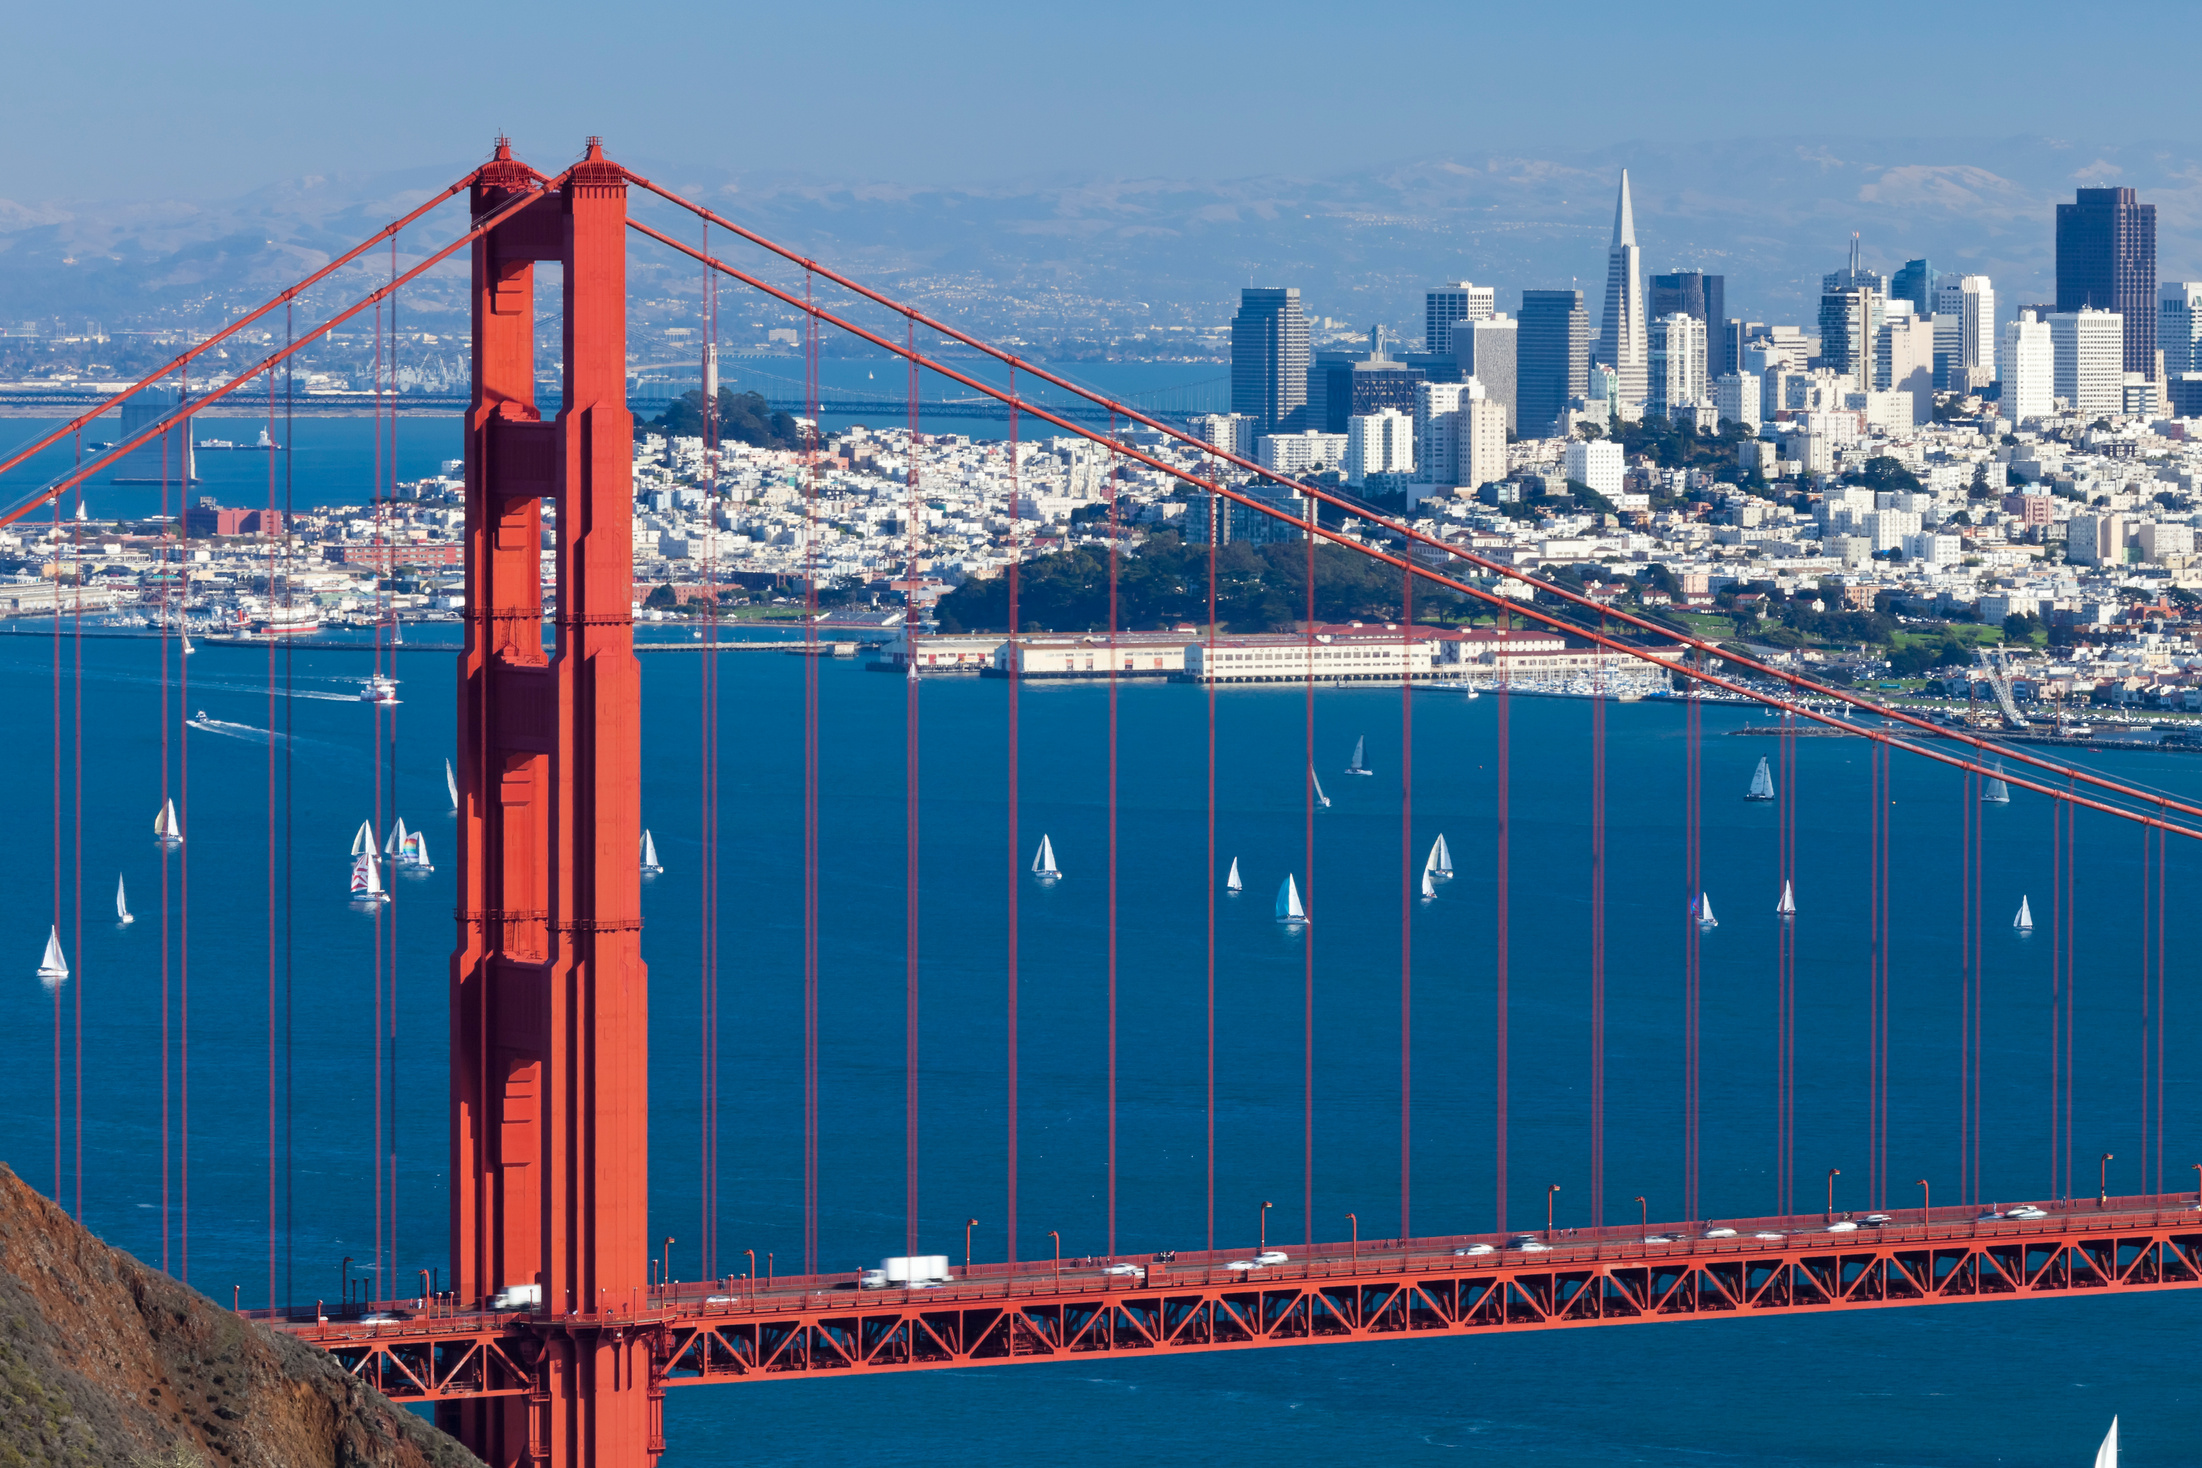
(1676, 363)
(2027, 368)
(2106, 259)
(1269, 358)
(1964, 333)
(1857, 277)
(1453, 301)
(1490, 352)
(1694, 293)
(1915, 283)
(2088, 344)
(1621, 341)
(1552, 365)
(2179, 325)
(1850, 319)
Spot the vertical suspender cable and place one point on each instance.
(54, 861)
(1598, 699)
(269, 531)
(1208, 668)
(1307, 944)
(2068, 938)
(1693, 864)
(1115, 660)
(290, 828)
(2056, 997)
(76, 942)
(1785, 980)
(910, 779)
(171, 564)
(1010, 778)
(1967, 799)
(810, 810)
(1501, 869)
(1406, 903)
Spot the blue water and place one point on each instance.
(2005, 1383)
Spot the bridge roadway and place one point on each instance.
(997, 1314)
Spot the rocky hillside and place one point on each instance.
(105, 1363)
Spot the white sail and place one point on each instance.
(122, 903)
(165, 825)
(2106, 1456)
(53, 968)
(451, 783)
(416, 852)
(187, 647)
(2024, 922)
(1322, 801)
(1787, 907)
(1360, 746)
(1043, 860)
(1429, 885)
(1705, 918)
(1762, 782)
(1995, 792)
(367, 878)
(395, 846)
(1232, 882)
(650, 862)
(363, 840)
(1440, 861)
(1288, 902)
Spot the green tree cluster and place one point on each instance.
(742, 418)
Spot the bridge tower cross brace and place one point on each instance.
(549, 994)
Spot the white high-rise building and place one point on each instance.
(1622, 344)
(2091, 359)
(1964, 332)
(1381, 442)
(1736, 396)
(1301, 453)
(1456, 300)
(1598, 463)
(1435, 403)
(2179, 325)
(1480, 441)
(1675, 365)
(1230, 432)
(2027, 368)
(1903, 359)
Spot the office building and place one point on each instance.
(1849, 320)
(2096, 540)
(2183, 394)
(1857, 277)
(1226, 431)
(1552, 359)
(1379, 443)
(1457, 300)
(1677, 364)
(1301, 453)
(1736, 396)
(166, 458)
(1964, 333)
(1436, 412)
(2090, 348)
(1598, 465)
(2027, 368)
(1269, 359)
(1621, 340)
(1330, 390)
(2106, 261)
(1694, 293)
(1381, 383)
(2179, 325)
(1903, 359)
(1914, 283)
(1479, 442)
(1490, 352)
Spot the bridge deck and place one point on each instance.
(1036, 1311)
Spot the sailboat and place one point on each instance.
(188, 649)
(1762, 782)
(1357, 767)
(1429, 885)
(451, 784)
(367, 879)
(1232, 884)
(394, 848)
(122, 903)
(2106, 1456)
(166, 828)
(1702, 910)
(1995, 792)
(1322, 801)
(53, 968)
(1787, 907)
(650, 865)
(1043, 862)
(2024, 922)
(364, 838)
(1288, 902)
(413, 853)
(1440, 861)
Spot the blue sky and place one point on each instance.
(183, 101)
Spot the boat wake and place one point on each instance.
(230, 730)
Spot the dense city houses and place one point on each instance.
(1882, 492)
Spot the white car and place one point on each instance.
(1659, 1238)
(1534, 1246)
(1877, 1218)
(1844, 1227)
(872, 1279)
(2027, 1210)
(1772, 1236)
(1242, 1264)
(1473, 1250)
(1131, 1269)
(1270, 1256)
(1720, 1233)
